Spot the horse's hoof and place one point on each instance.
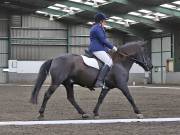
(40, 117)
(85, 116)
(96, 116)
(140, 116)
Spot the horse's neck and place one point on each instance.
(127, 64)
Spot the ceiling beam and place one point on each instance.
(170, 12)
(142, 20)
(77, 18)
(55, 12)
(136, 6)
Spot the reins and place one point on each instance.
(133, 59)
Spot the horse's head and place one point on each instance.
(136, 52)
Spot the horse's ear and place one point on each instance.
(143, 43)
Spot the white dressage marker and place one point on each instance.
(102, 121)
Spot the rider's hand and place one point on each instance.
(115, 48)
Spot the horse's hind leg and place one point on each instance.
(100, 100)
(70, 96)
(47, 95)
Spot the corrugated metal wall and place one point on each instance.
(35, 38)
(161, 52)
(79, 38)
(3, 46)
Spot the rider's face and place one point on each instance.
(103, 22)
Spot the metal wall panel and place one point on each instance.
(80, 41)
(3, 28)
(166, 41)
(20, 52)
(161, 52)
(47, 52)
(38, 39)
(77, 50)
(3, 60)
(79, 30)
(165, 57)
(156, 45)
(156, 60)
(176, 39)
(79, 38)
(3, 46)
(115, 38)
(16, 21)
(79, 35)
(21, 33)
(3, 76)
(38, 22)
(54, 34)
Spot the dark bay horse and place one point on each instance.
(70, 69)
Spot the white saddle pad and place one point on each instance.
(92, 62)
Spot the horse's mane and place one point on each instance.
(129, 48)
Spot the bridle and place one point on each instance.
(134, 59)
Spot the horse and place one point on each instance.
(69, 69)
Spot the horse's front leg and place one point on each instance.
(70, 97)
(125, 90)
(100, 100)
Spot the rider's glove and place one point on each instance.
(115, 48)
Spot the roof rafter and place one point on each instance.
(85, 20)
(138, 6)
(145, 21)
(170, 12)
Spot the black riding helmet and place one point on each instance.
(100, 17)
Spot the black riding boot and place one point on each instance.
(102, 74)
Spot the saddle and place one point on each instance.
(91, 60)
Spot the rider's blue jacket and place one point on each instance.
(98, 39)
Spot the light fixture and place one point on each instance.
(108, 27)
(111, 20)
(95, 3)
(135, 13)
(168, 6)
(53, 7)
(51, 17)
(126, 23)
(7, 2)
(176, 2)
(71, 12)
(156, 18)
(116, 18)
(42, 12)
(145, 11)
(90, 23)
(157, 30)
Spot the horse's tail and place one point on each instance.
(43, 72)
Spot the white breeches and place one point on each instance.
(104, 57)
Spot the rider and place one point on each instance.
(99, 45)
